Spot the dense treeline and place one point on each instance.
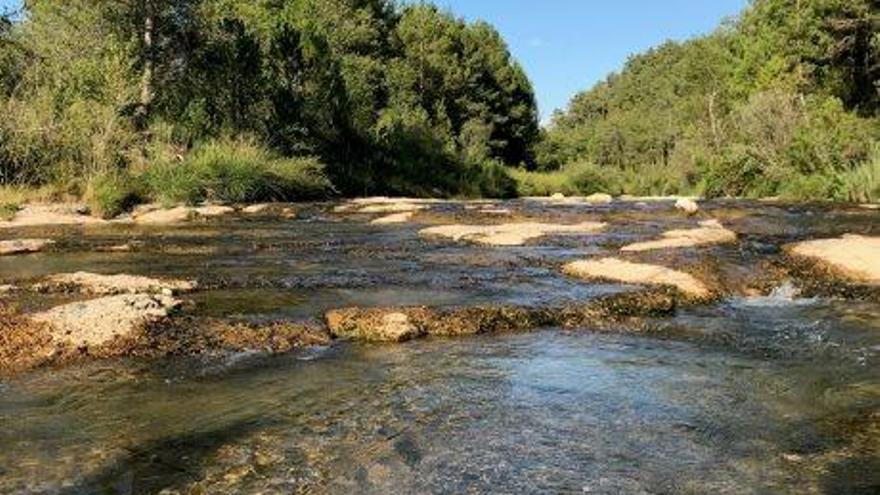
(783, 100)
(392, 99)
(188, 100)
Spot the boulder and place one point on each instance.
(688, 206)
(599, 198)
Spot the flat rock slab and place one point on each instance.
(51, 214)
(382, 204)
(375, 325)
(24, 246)
(394, 218)
(170, 216)
(509, 234)
(710, 232)
(180, 214)
(97, 322)
(856, 257)
(636, 273)
(94, 283)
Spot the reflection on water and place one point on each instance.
(766, 408)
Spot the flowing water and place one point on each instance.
(762, 394)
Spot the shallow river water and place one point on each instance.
(772, 394)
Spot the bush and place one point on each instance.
(572, 180)
(171, 183)
(861, 184)
(111, 193)
(235, 171)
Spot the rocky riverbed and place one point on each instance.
(199, 288)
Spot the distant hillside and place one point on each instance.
(783, 100)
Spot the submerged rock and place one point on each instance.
(510, 234)
(688, 206)
(710, 232)
(637, 273)
(855, 257)
(94, 283)
(394, 218)
(96, 322)
(23, 246)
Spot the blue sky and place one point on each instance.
(568, 45)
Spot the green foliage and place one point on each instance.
(782, 101)
(235, 171)
(862, 183)
(575, 179)
(393, 98)
(111, 193)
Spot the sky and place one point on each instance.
(567, 46)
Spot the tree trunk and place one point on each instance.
(146, 99)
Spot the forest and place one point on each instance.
(181, 101)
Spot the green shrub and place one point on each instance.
(861, 184)
(8, 211)
(572, 180)
(111, 193)
(300, 178)
(234, 171)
